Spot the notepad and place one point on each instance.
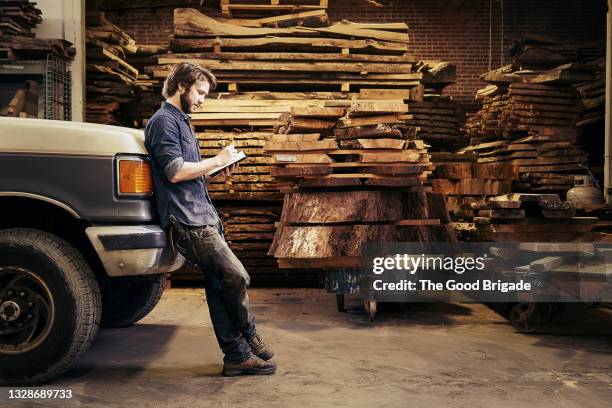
(240, 156)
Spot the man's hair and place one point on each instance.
(187, 73)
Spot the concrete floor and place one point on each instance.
(430, 355)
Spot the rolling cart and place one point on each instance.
(347, 281)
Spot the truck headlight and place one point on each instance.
(134, 177)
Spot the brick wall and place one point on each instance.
(456, 31)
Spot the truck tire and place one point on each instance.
(128, 299)
(49, 306)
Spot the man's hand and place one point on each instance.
(226, 155)
(226, 172)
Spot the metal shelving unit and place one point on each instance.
(55, 77)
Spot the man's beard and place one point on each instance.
(186, 103)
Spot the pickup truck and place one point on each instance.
(80, 242)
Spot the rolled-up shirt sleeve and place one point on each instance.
(165, 143)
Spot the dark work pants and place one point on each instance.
(225, 283)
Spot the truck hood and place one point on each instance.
(20, 135)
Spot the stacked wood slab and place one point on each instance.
(438, 119)
(541, 52)
(546, 162)
(593, 95)
(328, 229)
(530, 112)
(549, 156)
(147, 101)
(111, 81)
(370, 147)
(246, 55)
(358, 181)
(521, 108)
(536, 60)
(528, 120)
(484, 124)
(287, 117)
(343, 56)
(531, 218)
(265, 8)
(535, 107)
(279, 62)
(19, 17)
(148, 97)
(17, 41)
(251, 180)
(466, 183)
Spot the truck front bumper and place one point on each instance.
(134, 250)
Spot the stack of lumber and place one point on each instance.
(260, 9)
(541, 52)
(264, 68)
(19, 17)
(437, 120)
(467, 127)
(369, 147)
(593, 95)
(144, 56)
(538, 86)
(361, 183)
(436, 75)
(521, 108)
(465, 183)
(529, 117)
(146, 102)
(591, 126)
(484, 125)
(313, 18)
(147, 91)
(547, 162)
(531, 218)
(17, 41)
(344, 56)
(314, 129)
(251, 180)
(301, 161)
(110, 81)
(490, 117)
(328, 229)
(531, 106)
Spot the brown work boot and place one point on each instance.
(250, 366)
(260, 348)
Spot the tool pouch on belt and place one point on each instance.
(181, 240)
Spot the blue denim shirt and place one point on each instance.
(170, 142)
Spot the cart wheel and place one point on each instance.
(526, 317)
(340, 302)
(370, 308)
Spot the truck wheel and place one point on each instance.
(127, 299)
(49, 306)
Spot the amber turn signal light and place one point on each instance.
(135, 177)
